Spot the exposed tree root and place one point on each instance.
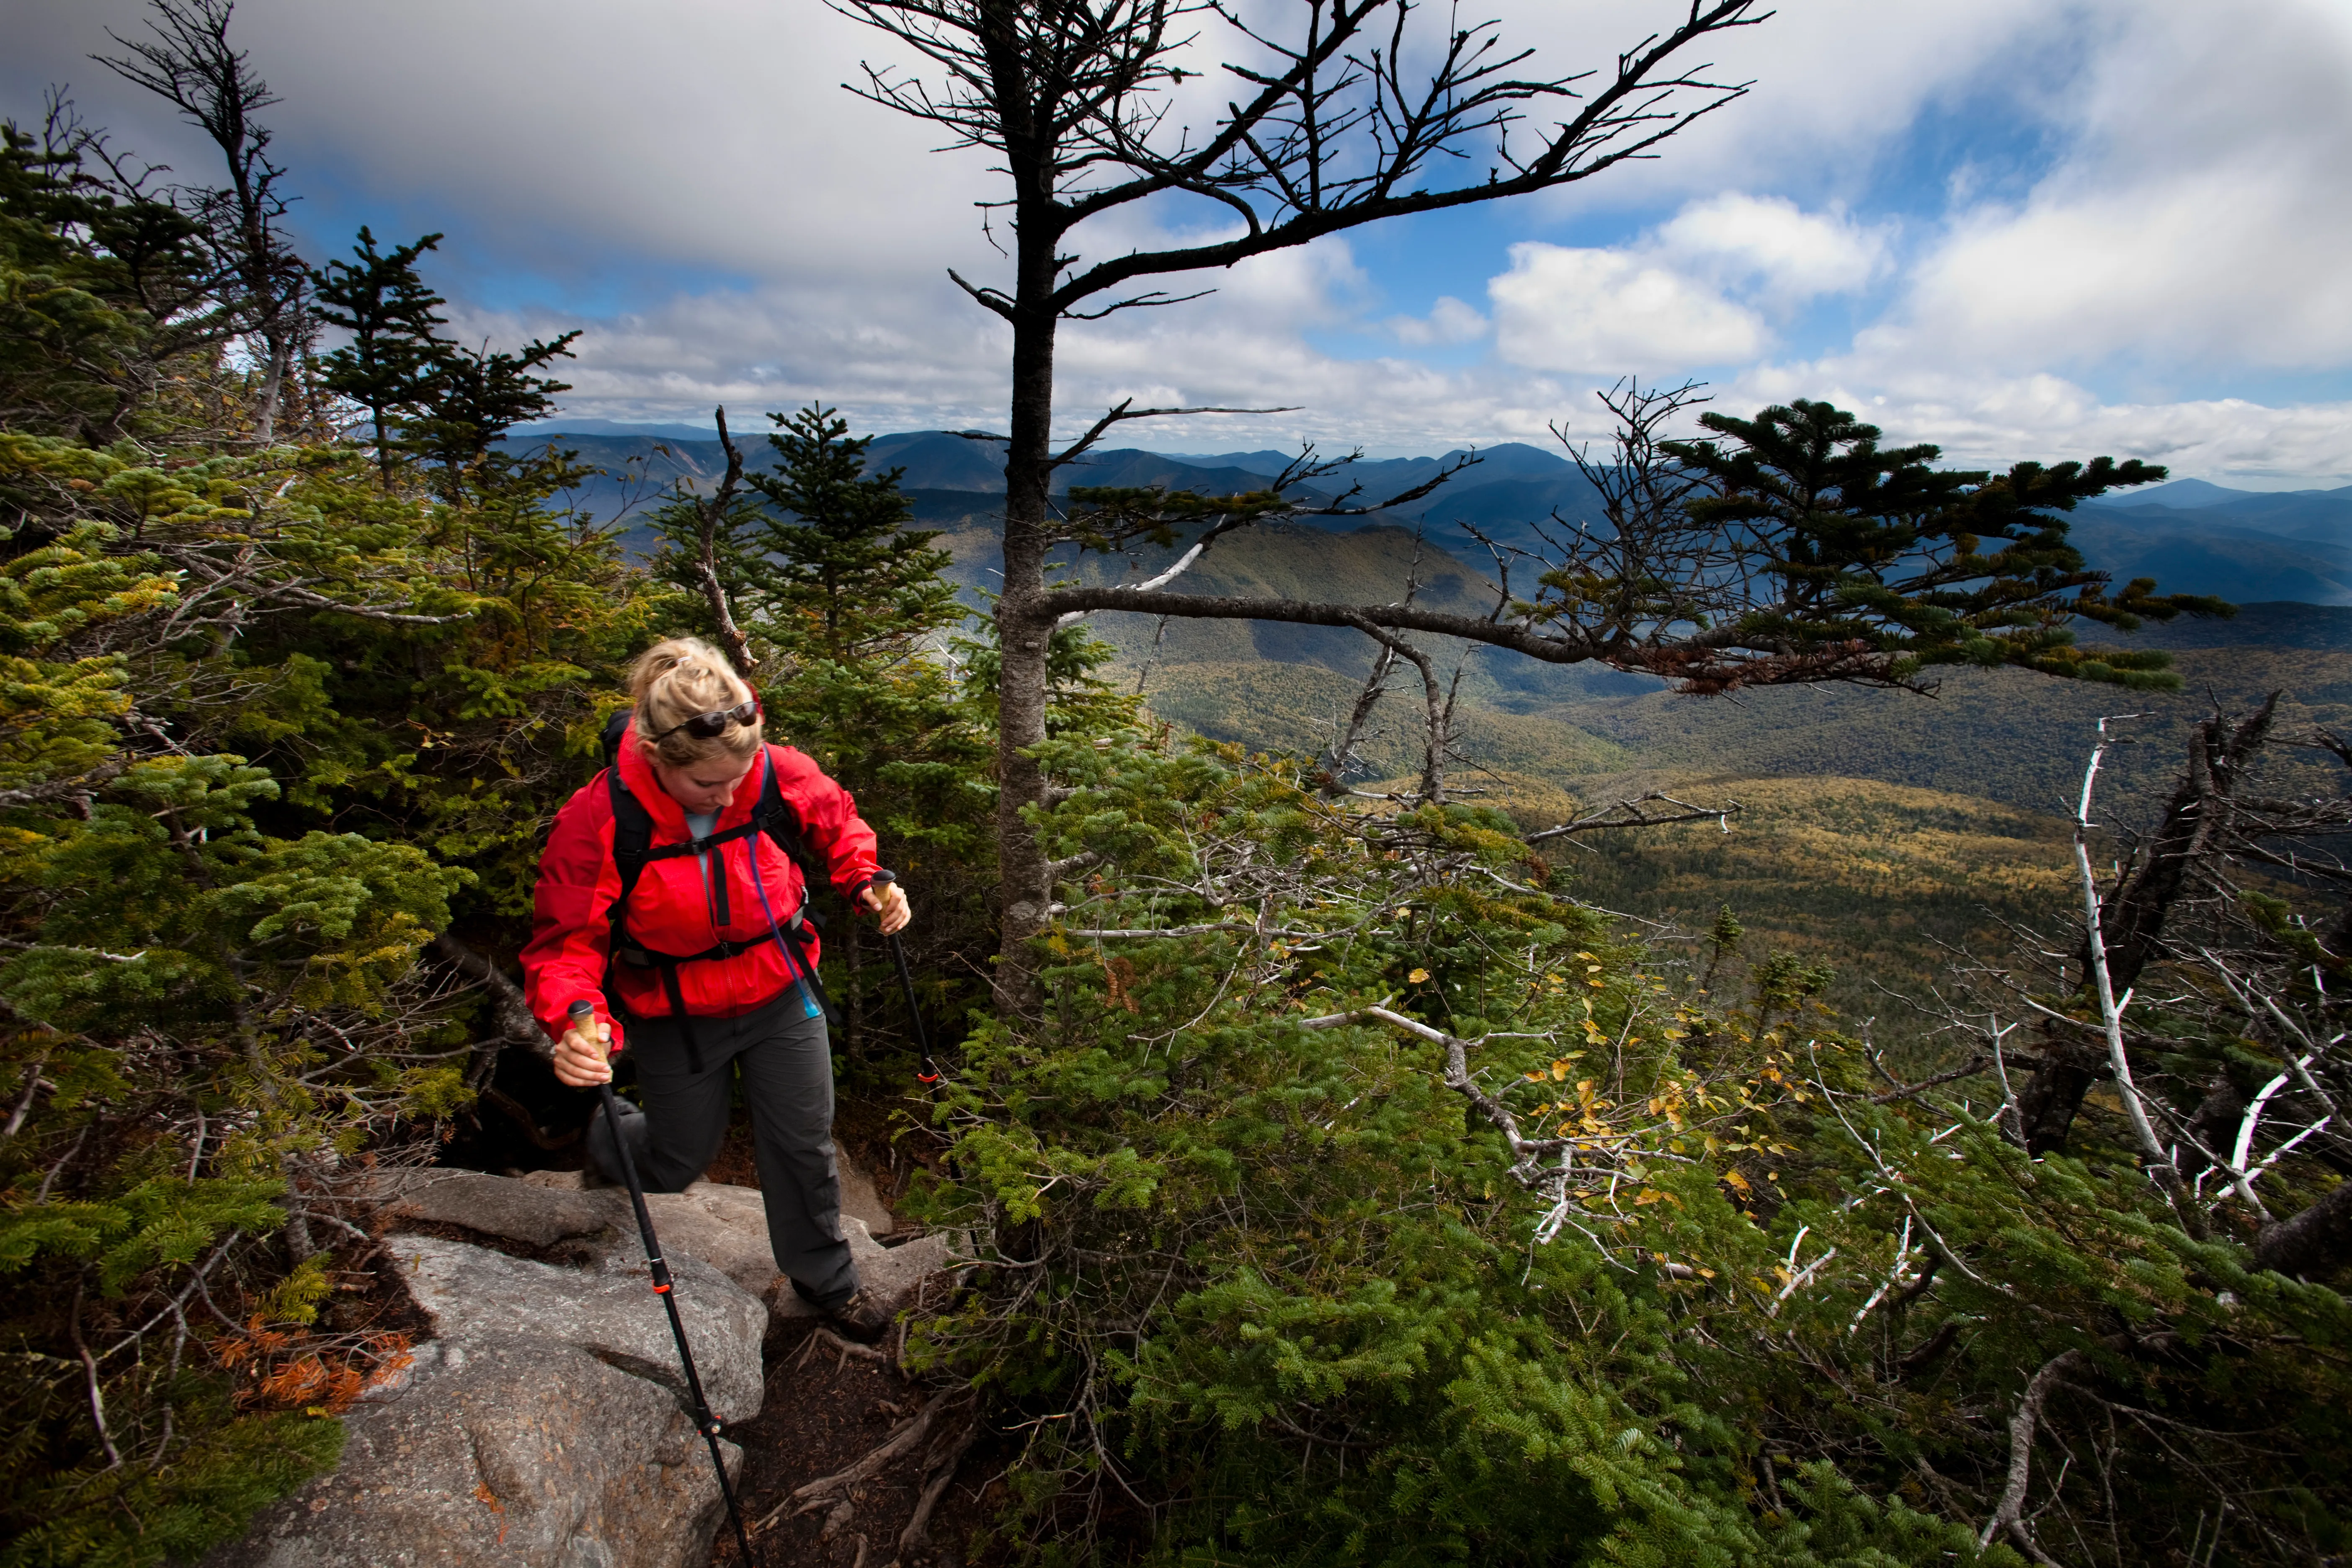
(944, 1458)
(827, 1490)
(848, 1348)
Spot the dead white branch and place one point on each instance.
(2111, 1011)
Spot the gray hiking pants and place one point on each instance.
(787, 1067)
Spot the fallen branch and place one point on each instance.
(1628, 814)
(2008, 1517)
(1968, 1069)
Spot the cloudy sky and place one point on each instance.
(2016, 227)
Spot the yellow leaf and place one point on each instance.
(1417, 976)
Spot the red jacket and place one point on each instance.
(669, 910)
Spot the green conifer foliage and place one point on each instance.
(1879, 549)
(1258, 1256)
(271, 724)
(105, 288)
(845, 580)
(203, 1015)
(473, 397)
(390, 364)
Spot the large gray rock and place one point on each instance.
(609, 1310)
(504, 1450)
(892, 1272)
(859, 1198)
(537, 1215)
(545, 1423)
(723, 1225)
(544, 1426)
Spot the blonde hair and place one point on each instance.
(674, 680)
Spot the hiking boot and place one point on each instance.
(861, 1315)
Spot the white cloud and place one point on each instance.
(1605, 311)
(2197, 218)
(1696, 291)
(1449, 321)
(1790, 254)
(1991, 419)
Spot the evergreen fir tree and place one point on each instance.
(472, 397)
(847, 581)
(391, 364)
(847, 601)
(270, 737)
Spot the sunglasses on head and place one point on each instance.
(710, 726)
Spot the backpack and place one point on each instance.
(633, 847)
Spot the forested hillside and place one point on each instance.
(1382, 1130)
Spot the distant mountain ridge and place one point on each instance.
(2190, 535)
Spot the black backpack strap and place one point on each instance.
(775, 817)
(633, 845)
(616, 729)
(684, 1019)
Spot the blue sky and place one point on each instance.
(2019, 229)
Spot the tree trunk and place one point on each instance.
(1024, 623)
(2313, 1244)
(2213, 1124)
(273, 388)
(2053, 1097)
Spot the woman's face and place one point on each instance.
(706, 787)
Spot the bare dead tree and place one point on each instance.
(1343, 756)
(711, 518)
(2186, 846)
(2184, 947)
(1328, 130)
(190, 64)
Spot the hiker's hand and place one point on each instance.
(890, 901)
(583, 1060)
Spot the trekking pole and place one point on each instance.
(906, 983)
(582, 1015)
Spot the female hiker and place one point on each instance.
(666, 899)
